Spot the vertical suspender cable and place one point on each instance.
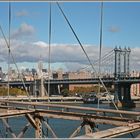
(96, 61)
(8, 92)
(75, 35)
(100, 51)
(101, 36)
(9, 48)
(49, 57)
(85, 53)
(7, 44)
(10, 53)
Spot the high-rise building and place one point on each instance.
(1, 73)
(40, 66)
(44, 70)
(79, 75)
(135, 88)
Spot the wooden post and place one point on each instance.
(38, 130)
(42, 86)
(87, 129)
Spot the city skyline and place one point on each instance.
(29, 32)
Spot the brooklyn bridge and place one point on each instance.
(38, 115)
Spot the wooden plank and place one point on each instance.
(12, 113)
(80, 116)
(88, 129)
(68, 115)
(84, 137)
(114, 132)
(31, 120)
(74, 107)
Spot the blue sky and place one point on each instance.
(121, 23)
(84, 16)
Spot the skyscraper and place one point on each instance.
(40, 66)
(1, 74)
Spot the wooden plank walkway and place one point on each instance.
(58, 114)
(111, 133)
(14, 113)
(72, 107)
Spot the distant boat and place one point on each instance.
(90, 99)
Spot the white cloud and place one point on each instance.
(71, 56)
(23, 31)
(25, 13)
(135, 59)
(40, 44)
(22, 13)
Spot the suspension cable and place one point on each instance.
(100, 51)
(97, 60)
(74, 34)
(108, 57)
(108, 63)
(101, 36)
(13, 59)
(10, 53)
(49, 59)
(9, 49)
(104, 59)
(86, 54)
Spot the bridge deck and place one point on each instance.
(111, 133)
(79, 81)
(38, 104)
(13, 113)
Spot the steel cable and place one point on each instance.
(86, 54)
(10, 53)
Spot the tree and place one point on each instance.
(12, 91)
(65, 92)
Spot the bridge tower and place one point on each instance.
(122, 60)
(122, 70)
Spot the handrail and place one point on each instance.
(74, 107)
